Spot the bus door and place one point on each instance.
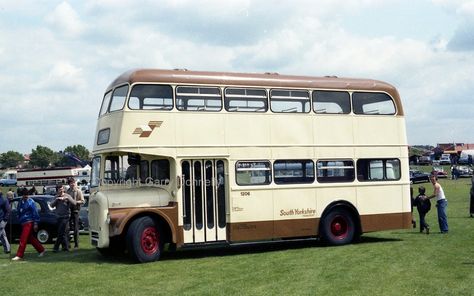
(204, 196)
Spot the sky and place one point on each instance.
(57, 57)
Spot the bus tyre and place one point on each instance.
(338, 227)
(143, 240)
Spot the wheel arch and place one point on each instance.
(167, 234)
(165, 217)
(349, 207)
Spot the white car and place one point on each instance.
(464, 171)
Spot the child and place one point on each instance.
(423, 205)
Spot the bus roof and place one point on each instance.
(254, 79)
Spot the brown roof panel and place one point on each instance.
(255, 79)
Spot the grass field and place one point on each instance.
(400, 262)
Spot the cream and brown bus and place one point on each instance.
(185, 158)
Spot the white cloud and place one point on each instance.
(62, 76)
(59, 61)
(461, 7)
(66, 20)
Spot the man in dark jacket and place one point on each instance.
(4, 216)
(471, 208)
(63, 204)
(76, 194)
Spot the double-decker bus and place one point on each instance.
(191, 158)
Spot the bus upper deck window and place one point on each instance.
(151, 97)
(105, 103)
(245, 100)
(372, 103)
(191, 98)
(118, 98)
(289, 101)
(331, 102)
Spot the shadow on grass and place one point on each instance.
(254, 248)
(88, 256)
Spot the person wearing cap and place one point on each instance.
(77, 195)
(29, 219)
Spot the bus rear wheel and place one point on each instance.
(144, 241)
(338, 227)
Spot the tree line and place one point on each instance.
(44, 157)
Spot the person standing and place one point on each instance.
(4, 217)
(423, 205)
(62, 202)
(77, 195)
(412, 203)
(471, 208)
(441, 204)
(10, 195)
(29, 219)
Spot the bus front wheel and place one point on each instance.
(143, 240)
(338, 227)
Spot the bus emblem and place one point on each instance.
(145, 130)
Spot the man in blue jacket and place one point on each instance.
(4, 217)
(29, 219)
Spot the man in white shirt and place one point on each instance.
(441, 204)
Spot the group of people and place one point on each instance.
(423, 205)
(67, 206)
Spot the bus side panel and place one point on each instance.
(291, 130)
(251, 214)
(146, 128)
(250, 231)
(201, 133)
(331, 193)
(295, 212)
(381, 207)
(296, 228)
(247, 130)
(378, 222)
(333, 130)
(374, 130)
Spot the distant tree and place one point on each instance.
(11, 159)
(78, 151)
(43, 157)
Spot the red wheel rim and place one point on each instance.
(339, 227)
(150, 240)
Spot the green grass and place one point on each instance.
(400, 262)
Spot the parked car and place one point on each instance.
(463, 160)
(464, 171)
(418, 177)
(47, 227)
(424, 160)
(439, 171)
(445, 159)
(7, 182)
